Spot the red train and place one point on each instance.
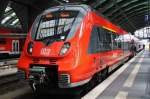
(10, 45)
(69, 46)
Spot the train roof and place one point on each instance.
(84, 9)
(62, 7)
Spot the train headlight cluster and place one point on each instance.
(30, 48)
(65, 48)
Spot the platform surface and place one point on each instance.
(132, 83)
(8, 71)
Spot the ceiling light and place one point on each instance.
(66, 1)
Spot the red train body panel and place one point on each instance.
(76, 60)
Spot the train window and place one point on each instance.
(115, 42)
(126, 46)
(105, 39)
(100, 40)
(58, 25)
(101, 36)
(123, 42)
(94, 41)
(107, 42)
(2, 41)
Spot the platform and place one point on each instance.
(131, 81)
(8, 67)
(9, 71)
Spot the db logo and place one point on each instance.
(45, 51)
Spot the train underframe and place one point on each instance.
(45, 79)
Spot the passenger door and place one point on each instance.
(15, 46)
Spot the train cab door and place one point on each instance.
(15, 46)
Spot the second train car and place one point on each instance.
(68, 46)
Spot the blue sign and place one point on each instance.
(146, 17)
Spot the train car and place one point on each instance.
(68, 47)
(139, 46)
(10, 46)
(130, 40)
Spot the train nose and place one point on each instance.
(53, 50)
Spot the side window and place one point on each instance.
(126, 46)
(3, 41)
(115, 41)
(102, 37)
(108, 40)
(122, 43)
(94, 41)
(105, 39)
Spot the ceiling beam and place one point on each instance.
(116, 14)
(3, 5)
(124, 5)
(124, 14)
(130, 14)
(22, 15)
(141, 12)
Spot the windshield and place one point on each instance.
(58, 25)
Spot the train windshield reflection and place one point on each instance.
(57, 25)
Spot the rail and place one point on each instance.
(8, 79)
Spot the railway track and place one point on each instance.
(8, 75)
(8, 71)
(7, 79)
(10, 83)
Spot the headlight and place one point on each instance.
(30, 48)
(65, 48)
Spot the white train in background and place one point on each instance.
(128, 40)
(140, 46)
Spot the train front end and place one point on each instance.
(51, 48)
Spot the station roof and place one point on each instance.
(128, 14)
(10, 19)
